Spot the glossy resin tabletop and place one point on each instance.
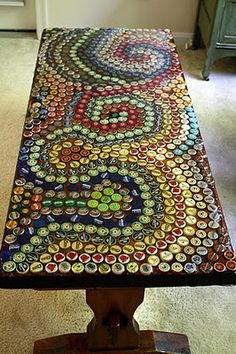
(112, 186)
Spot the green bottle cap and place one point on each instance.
(9, 266)
(43, 231)
(148, 211)
(116, 197)
(54, 226)
(69, 203)
(105, 199)
(47, 202)
(92, 203)
(73, 179)
(96, 195)
(81, 203)
(103, 207)
(114, 206)
(66, 226)
(27, 248)
(144, 219)
(58, 203)
(19, 257)
(103, 231)
(108, 191)
(115, 232)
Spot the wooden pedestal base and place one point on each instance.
(150, 343)
(113, 330)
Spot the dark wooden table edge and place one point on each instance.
(107, 281)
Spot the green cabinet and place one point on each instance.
(216, 28)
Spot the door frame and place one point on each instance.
(41, 8)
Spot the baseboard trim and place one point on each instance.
(12, 3)
(17, 30)
(183, 38)
(18, 34)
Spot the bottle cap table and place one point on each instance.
(112, 186)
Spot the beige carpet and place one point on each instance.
(206, 315)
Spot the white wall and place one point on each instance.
(178, 15)
(17, 17)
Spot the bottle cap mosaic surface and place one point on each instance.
(112, 186)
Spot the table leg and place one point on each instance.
(113, 325)
(113, 330)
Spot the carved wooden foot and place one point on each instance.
(113, 330)
(150, 343)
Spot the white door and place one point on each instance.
(17, 15)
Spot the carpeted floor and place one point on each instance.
(206, 315)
